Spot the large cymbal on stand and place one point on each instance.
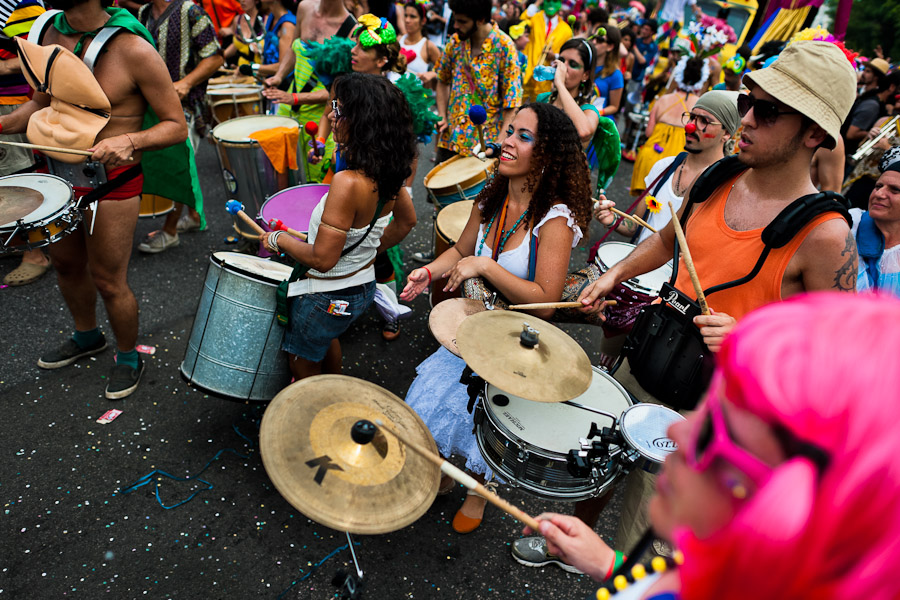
(524, 356)
(307, 444)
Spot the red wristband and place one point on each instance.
(429, 274)
(1, 127)
(612, 566)
(296, 99)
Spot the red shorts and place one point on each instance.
(127, 190)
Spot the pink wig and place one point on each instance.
(825, 367)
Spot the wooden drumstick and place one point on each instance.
(236, 208)
(639, 221)
(47, 148)
(542, 305)
(278, 225)
(688, 261)
(467, 480)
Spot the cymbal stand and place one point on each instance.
(349, 584)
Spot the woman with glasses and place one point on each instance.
(665, 131)
(372, 124)
(572, 88)
(784, 483)
(519, 238)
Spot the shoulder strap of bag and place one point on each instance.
(656, 186)
(346, 27)
(99, 42)
(40, 26)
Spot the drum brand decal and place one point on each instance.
(324, 463)
(515, 421)
(664, 443)
(672, 300)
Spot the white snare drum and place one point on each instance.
(527, 443)
(39, 209)
(644, 428)
(610, 253)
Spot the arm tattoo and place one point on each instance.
(845, 277)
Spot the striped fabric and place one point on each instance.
(19, 21)
(16, 19)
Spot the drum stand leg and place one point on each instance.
(349, 584)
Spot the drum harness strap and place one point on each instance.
(36, 35)
(282, 314)
(665, 350)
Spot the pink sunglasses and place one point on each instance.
(710, 440)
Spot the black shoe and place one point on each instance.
(391, 330)
(68, 353)
(124, 380)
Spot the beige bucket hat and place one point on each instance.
(79, 109)
(815, 79)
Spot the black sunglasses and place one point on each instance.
(764, 111)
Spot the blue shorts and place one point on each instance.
(312, 327)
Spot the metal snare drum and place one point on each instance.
(235, 344)
(44, 214)
(527, 442)
(632, 294)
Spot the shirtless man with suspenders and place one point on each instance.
(132, 74)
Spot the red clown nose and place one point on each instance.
(690, 128)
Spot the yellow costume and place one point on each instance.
(667, 137)
(561, 34)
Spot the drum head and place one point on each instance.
(234, 92)
(610, 253)
(240, 129)
(458, 170)
(644, 428)
(294, 205)
(254, 267)
(452, 219)
(52, 192)
(557, 427)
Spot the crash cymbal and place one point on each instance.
(494, 345)
(17, 202)
(310, 455)
(445, 318)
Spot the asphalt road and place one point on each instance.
(67, 530)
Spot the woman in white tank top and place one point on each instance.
(426, 53)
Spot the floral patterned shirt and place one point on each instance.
(498, 87)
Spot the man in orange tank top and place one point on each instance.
(794, 107)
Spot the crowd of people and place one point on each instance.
(780, 485)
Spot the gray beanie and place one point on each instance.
(723, 106)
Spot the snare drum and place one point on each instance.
(448, 226)
(644, 428)
(155, 206)
(459, 178)
(230, 102)
(249, 175)
(293, 206)
(235, 345)
(630, 295)
(527, 443)
(37, 210)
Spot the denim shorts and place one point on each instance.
(312, 327)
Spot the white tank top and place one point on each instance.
(420, 65)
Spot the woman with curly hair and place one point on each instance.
(665, 130)
(573, 90)
(351, 222)
(538, 197)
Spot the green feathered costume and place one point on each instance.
(605, 152)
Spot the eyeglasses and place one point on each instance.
(765, 112)
(336, 109)
(710, 440)
(701, 121)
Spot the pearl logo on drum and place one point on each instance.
(672, 300)
(665, 444)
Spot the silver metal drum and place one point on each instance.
(644, 428)
(235, 344)
(249, 175)
(527, 443)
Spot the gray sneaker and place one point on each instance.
(68, 353)
(423, 257)
(186, 223)
(158, 241)
(532, 552)
(124, 380)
